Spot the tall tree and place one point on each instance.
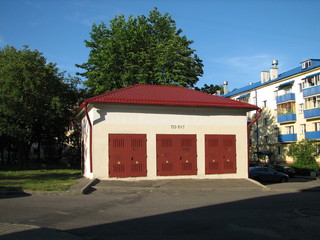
(211, 89)
(146, 50)
(35, 100)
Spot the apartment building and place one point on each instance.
(290, 103)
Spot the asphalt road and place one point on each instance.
(173, 210)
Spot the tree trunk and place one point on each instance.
(23, 155)
(39, 150)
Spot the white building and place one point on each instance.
(291, 109)
(156, 132)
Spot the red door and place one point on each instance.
(187, 155)
(212, 154)
(176, 155)
(127, 155)
(220, 154)
(229, 154)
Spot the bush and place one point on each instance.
(303, 154)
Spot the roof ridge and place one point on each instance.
(112, 92)
(169, 95)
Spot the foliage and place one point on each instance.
(39, 180)
(145, 50)
(303, 154)
(210, 89)
(36, 100)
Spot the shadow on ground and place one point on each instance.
(276, 216)
(284, 216)
(294, 180)
(9, 192)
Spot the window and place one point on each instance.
(302, 129)
(278, 150)
(300, 87)
(265, 121)
(317, 126)
(244, 98)
(270, 170)
(287, 90)
(311, 81)
(301, 108)
(264, 104)
(286, 108)
(318, 150)
(290, 130)
(312, 102)
(306, 64)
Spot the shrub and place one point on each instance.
(303, 154)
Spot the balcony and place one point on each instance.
(312, 113)
(312, 135)
(291, 117)
(311, 91)
(286, 98)
(287, 137)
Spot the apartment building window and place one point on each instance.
(278, 150)
(265, 121)
(317, 126)
(264, 104)
(286, 108)
(244, 98)
(306, 64)
(312, 102)
(290, 129)
(287, 90)
(311, 81)
(300, 87)
(302, 129)
(318, 150)
(301, 108)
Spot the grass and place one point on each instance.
(38, 180)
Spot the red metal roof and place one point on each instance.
(168, 96)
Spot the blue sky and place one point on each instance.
(236, 39)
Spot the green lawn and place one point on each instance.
(39, 180)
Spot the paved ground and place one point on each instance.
(166, 209)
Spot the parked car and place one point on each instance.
(266, 174)
(284, 169)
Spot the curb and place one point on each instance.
(259, 184)
(87, 188)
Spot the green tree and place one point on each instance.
(303, 154)
(36, 102)
(146, 50)
(211, 89)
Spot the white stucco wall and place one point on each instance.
(152, 120)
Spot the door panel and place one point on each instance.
(176, 155)
(220, 154)
(127, 155)
(165, 156)
(229, 154)
(187, 164)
